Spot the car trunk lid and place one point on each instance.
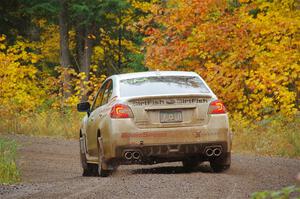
(170, 111)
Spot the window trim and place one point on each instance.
(109, 86)
(103, 86)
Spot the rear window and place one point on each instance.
(158, 85)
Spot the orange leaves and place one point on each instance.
(250, 60)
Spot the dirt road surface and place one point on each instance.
(50, 169)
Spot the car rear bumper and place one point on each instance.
(151, 154)
(167, 143)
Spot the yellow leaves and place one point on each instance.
(42, 23)
(20, 90)
(2, 46)
(81, 76)
(34, 59)
(2, 38)
(93, 68)
(143, 6)
(91, 36)
(49, 44)
(244, 1)
(77, 84)
(267, 102)
(98, 52)
(72, 100)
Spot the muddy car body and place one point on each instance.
(154, 117)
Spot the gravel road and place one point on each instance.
(50, 169)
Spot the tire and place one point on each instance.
(221, 164)
(88, 169)
(103, 170)
(190, 164)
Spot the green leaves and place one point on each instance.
(284, 193)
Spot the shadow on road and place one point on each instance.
(204, 168)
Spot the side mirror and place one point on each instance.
(83, 107)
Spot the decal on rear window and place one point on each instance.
(149, 102)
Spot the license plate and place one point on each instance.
(170, 116)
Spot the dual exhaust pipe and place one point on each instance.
(209, 151)
(132, 155)
(213, 151)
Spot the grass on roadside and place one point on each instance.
(9, 172)
(284, 193)
(274, 136)
(47, 123)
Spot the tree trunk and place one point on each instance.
(87, 55)
(120, 41)
(79, 47)
(65, 61)
(85, 60)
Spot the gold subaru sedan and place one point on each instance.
(154, 117)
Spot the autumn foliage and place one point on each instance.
(20, 80)
(248, 52)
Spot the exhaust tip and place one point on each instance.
(128, 155)
(136, 155)
(217, 151)
(209, 152)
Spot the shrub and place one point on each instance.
(277, 135)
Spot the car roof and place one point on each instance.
(153, 73)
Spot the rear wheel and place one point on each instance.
(221, 164)
(103, 170)
(88, 169)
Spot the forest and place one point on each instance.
(56, 53)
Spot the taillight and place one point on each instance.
(121, 111)
(216, 107)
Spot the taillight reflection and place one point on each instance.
(216, 107)
(121, 111)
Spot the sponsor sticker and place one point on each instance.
(149, 102)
